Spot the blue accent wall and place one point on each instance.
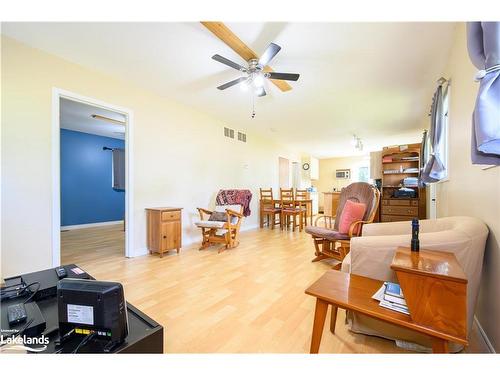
(87, 195)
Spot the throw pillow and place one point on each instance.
(352, 212)
(218, 216)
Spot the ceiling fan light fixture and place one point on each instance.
(244, 86)
(258, 80)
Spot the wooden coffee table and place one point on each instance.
(353, 292)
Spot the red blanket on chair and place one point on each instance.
(235, 196)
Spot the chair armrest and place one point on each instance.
(324, 217)
(204, 211)
(358, 225)
(233, 213)
(387, 229)
(371, 256)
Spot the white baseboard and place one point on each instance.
(484, 336)
(140, 252)
(91, 225)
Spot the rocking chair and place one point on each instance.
(329, 242)
(222, 225)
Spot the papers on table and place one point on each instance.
(391, 297)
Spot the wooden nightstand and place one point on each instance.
(164, 229)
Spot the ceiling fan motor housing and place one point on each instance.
(254, 66)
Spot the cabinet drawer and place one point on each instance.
(389, 218)
(414, 203)
(395, 210)
(399, 202)
(170, 215)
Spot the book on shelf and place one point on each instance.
(391, 297)
(391, 171)
(410, 158)
(410, 170)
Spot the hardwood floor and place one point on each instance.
(245, 300)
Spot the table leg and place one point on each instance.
(333, 318)
(439, 346)
(319, 322)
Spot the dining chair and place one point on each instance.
(290, 210)
(268, 208)
(302, 197)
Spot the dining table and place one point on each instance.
(307, 203)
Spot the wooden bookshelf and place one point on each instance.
(399, 162)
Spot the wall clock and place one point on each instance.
(305, 166)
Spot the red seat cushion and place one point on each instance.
(352, 212)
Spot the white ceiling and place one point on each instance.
(77, 116)
(372, 79)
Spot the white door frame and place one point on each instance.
(57, 94)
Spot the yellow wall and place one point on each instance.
(181, 157)
(471, 190)
(327, 167)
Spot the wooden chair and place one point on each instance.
(328, 242)
(290, 209)
(268, 208)
(214, 231)
(302, 195)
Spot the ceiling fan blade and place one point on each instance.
(271, 51)
(232, 83)
(283, 76)
(260, 92)
(222, 32)
(228, 62)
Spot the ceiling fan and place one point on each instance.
(257, 69)
(255, 73)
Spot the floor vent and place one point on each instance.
(229, 133)
(242, 137)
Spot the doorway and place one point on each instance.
(91, 175)
(284, 173)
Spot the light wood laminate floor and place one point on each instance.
(245, 300)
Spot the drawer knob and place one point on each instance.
(164, 236)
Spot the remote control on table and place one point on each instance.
(61, 272)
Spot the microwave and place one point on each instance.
(343, 173)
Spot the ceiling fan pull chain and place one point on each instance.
(253, 105)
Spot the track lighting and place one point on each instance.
(356, 143)
(354, 140)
